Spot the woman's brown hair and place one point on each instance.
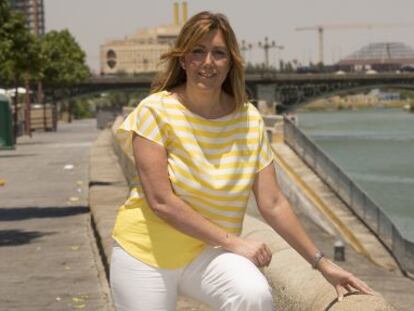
(191, 33)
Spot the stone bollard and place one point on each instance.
(339, 251)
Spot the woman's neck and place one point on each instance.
(208, 104)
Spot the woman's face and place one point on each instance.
(208, 62)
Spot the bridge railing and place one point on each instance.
(355, 198)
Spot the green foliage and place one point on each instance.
(19, 49)
(288, 68)
(113, 100)
(407, 94)
(284, 67)
(83, 108)
(256, 68)
(135, 98)
(5, 16)
(64, 60)
(55, 59)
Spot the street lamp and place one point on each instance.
(245, 48)
(278, 57)
(266, 46)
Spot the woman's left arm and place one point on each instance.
(277, 212)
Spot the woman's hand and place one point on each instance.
(257, 252)
(342, 280)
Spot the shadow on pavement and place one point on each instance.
(22, 213)
(99, 183)
(17, 155)
(36, 142)
(19, 237)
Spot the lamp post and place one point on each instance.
(245, 47)
(266, 46)
(278, 57)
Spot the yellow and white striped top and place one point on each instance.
(212, 164)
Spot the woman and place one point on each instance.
(199, 148)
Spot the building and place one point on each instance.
(34, 12)
(141, 52)
(382, 56)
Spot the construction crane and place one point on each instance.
(321, 29)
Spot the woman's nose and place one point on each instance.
(209, 58)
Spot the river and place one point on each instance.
(375, 147)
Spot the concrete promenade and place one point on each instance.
(49, 259)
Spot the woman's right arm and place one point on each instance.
(151, 164)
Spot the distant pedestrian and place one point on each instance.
(199, 148)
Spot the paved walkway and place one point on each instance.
(48, 253)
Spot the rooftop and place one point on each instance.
(381, 53)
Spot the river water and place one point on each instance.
(375, 148)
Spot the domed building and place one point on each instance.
(141, 52)
(382, 56)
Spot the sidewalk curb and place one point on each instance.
(108, 189)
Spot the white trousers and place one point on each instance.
(223, 280)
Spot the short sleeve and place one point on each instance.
(145, 121)
(265, 152)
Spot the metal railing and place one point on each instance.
(356, 199)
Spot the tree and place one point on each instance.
(20, 59)
(64, 59)
(289, 67)
(4, 18)
(19, 49)
(64, 62)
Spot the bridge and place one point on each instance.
(289, 90)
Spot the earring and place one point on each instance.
(182, 65)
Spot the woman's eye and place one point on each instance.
(200, 54)
(220, 53)
(197, 51)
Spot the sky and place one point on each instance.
(92, 22)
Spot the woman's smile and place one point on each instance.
(207, 75)
(208, 63)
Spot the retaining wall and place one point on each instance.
(370, 213)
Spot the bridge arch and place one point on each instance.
(305, 100)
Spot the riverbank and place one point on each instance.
(338, 103)
(372, 146)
